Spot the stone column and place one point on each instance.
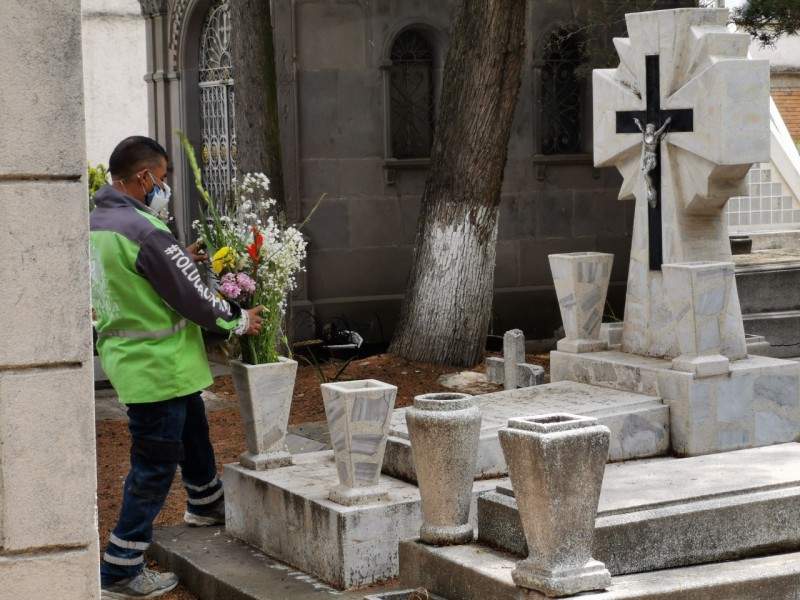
(708, 334)
(48, 532)
(581, 282)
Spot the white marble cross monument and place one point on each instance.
(683, 118)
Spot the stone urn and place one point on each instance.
(581, 282)
(358, 414)
(444, 431)
(265, 397)
(556, 464)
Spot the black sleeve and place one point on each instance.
(171, 271)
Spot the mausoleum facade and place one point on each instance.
(358, 84)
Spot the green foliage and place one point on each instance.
(98, 177)
(767, 20)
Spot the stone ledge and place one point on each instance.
(474, 572)
(756, 404)
(286, 513)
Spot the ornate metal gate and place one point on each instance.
(217, 103)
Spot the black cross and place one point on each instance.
(682, 120)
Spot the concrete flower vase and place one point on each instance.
(556, 464)
(444, 431)
(581, 282)
(700, 294)
(265, 397)
(358, 414)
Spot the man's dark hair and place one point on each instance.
(135, 153)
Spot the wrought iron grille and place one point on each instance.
(412, 106)
(217, 106)
(561, 96)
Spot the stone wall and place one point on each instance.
(48, 517)
(362, 239)
(786, 94)
(114, 62)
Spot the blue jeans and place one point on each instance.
(163, 435)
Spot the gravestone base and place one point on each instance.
(286, 513)
(591, 576)
(756, 404)
(270, 460)
(743, 504)
(581, 346)
(639, 424)
(702, 366)
(349, 496)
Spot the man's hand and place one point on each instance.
(255, 321)
(197, 252)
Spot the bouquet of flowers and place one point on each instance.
(254, 257)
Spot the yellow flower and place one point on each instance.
(224, 258)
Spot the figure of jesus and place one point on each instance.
(649, 161)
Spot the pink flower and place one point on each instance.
(230, 290)
(246, 284)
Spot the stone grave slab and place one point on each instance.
(650, 512)
(286, 513)
(639, 423)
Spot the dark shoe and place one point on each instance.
(147, 584)
(205, 518)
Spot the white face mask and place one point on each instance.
(158, 199)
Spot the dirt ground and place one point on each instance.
(113, 444)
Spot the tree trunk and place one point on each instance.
(446, 310)
(256, 118)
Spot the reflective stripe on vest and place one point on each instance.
(143, 335)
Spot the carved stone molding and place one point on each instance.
(177, 15)
(151, 8)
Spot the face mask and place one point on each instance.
(158, 199)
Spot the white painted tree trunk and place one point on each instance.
(446, 311)
(454, 291)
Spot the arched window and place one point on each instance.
(560, 102)
(217, 103)
(411, 96)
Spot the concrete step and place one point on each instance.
(215, 566)
(475, 572)
(781, 330)
(768, 287)
(771, 305)
(668, 513)
(639, 423)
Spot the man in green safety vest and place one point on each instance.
(151, 307)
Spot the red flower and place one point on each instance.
(254, 249)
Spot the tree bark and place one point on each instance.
(256, 119)
(446, 310)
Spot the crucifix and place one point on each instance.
(656, 119)
(703, 118)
